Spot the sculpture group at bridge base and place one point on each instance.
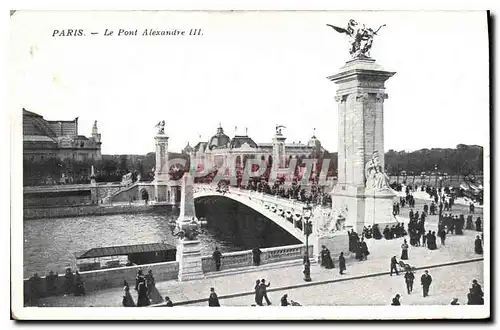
(189, 258)
(365, 207)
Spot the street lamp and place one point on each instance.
(307, 231)
(435, 175)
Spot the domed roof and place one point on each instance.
(240, 140)
(313, 141)
(187, 149)
(219, 139)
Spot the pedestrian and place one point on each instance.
(213, 300)
(342, 263)
(168, 302)
(258, 296)
(150, 280)
(409, 278)
(127, 300)
(404, 251)
(153, 293)
(364, 249)
(284, 300)
(326, 259)
(478, 293)
(394, 265)
(217, 257)
(359, 253)
(478, 224)
(263, 290)
(256, 252)
(142, 294)
(426, 281)
(442, 236)
(395, 300)
(478, 245)
(138, 278)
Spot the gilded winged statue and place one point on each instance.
(360, 38)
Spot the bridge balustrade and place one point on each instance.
(241, 259)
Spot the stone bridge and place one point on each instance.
(286, 213)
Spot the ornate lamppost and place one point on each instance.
(435, 175)
(307, 231)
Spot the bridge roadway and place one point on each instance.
(288, 214)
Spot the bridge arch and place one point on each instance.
(273, 209)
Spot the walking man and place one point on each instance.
(409, 278)
(263, 290)
(426, 281)
(394, 265)
(442, 235)
(217, 256)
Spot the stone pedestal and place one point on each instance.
(360, 97)
(378, 208)
(335, 242)
(189, 258)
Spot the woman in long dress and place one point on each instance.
(326, 259)
(364, 249)
(127, 300)
(258, 296)
(329, 261)
(478, 246)
(142, 296)
(153, 293)
(342, 263)
(404, 251)
(213, 300)
(359, 252)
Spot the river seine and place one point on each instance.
(49, 244)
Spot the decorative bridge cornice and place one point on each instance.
(288, 214)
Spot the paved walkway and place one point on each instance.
(457, 248)
(448, 282)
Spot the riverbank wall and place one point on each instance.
(90, 210)
(101, 279)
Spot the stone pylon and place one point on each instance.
(360, 97)
(188, 248)
(187, 212)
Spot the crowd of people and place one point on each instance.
(358, 246)
(474, 297)
(72, 284)
(314, 194)
(147, 293)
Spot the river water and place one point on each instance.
(49, 244)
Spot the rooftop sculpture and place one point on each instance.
(360, 38)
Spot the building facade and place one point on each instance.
(221, 150)
(45, 139)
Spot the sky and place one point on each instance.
(248, 70)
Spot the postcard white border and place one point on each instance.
(233, 313)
